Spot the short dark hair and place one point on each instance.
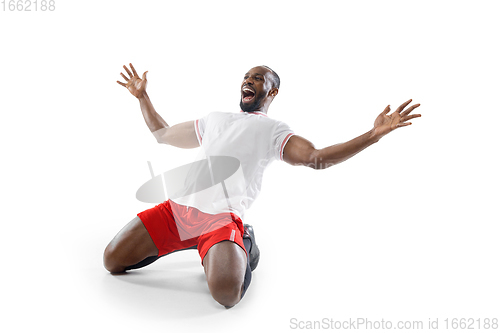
(275, 77)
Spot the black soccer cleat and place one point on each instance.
(254, 253)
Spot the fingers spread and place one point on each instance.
(406, 118)
(123, 84)
(410, 109)
(128, 72)
(126, 79)
(402, 124)
(133, 70)
(402, 106)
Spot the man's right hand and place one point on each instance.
(135, 85)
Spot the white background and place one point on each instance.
(406, 230)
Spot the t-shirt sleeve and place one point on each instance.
(282, 134)
(199, 126)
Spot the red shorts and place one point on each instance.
(176, 227)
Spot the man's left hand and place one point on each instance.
(385, 123)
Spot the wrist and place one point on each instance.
(142, 97)
(374, 135)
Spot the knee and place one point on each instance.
(110, 260)
(226, 290)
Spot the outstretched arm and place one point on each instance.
(182, 135)
(299, 151)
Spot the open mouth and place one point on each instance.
(247, 94)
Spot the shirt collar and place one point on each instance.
(256, 112)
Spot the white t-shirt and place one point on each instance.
(252, 138)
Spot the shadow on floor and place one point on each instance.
(168, 288)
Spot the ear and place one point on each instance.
(273, 92)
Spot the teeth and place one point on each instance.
(247, 89)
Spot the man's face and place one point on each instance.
(255, 88)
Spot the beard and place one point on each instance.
(252, 106)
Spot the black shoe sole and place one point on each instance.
(254, 255)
